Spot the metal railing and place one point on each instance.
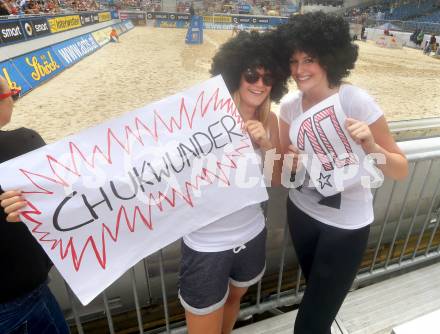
(405, 234)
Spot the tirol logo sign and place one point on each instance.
(11, 32)
(36, 28)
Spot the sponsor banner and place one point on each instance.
(157, 16)
(118, 29)
(217, 19)
(14, 77)
(244, 8)
(11, 31)
(64, 23)
(122, 27)
(73, 50)
(168, 16)
(106, 16)
(132, 15)
(390, 42)
(171, 24)
(88, 19)
(35, 27)
(38, 66)
(220, 26)
(102, 36)
(129, 25)
(245, 19)
(262, 20)
(276, 21)
(179, 17)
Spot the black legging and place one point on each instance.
(329, 258)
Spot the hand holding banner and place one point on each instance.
(330, 156)
(100, 201)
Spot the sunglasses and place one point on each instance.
(14, 93)
(252, 76)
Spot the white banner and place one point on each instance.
(329, 154)
(102, 200)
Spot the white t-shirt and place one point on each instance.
(228, 232)
(356, 208)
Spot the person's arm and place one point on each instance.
(12, 202)
(376, 138)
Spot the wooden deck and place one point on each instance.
(376, 309)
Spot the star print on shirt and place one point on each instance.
(324, 180)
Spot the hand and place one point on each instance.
(258, 134)
(294, 152)
(360, 132)
(12, 202)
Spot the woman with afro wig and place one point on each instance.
(329, 234)
(220, 261)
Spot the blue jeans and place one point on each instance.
(36, 313)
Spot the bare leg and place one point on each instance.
(232, 307)
(204, 324)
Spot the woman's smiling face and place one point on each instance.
(253, 94)
(307, 72)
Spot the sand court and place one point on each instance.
(151, 63)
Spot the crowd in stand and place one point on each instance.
(389, 8)
(366, 11)
(13, 7)
(17, 7)
(259, 7)
(82, 5)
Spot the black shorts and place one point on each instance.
(205, 276)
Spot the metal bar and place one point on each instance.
(433, 233)
(108, 313)
(438, 217)
(78, 324)
(258, 293)
(276, 301)
(147, 281)
(375, 191)
(136, 301)
(164, 292)
(416, 211)
(298, 280)
(382, 231)
(427, 220)
(396, 231)
(414, 157)
(283, 255)
(270, 304)
(365, 277)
